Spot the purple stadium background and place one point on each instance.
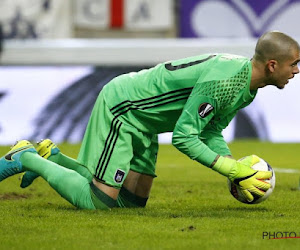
(251, 18)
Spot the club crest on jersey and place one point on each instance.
(119, 175)
(205, 109)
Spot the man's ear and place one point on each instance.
(272, 65)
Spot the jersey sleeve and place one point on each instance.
(212, 135)
(196, 114)
(215, 141)
(224, 87)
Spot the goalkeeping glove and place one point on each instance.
(241, 174)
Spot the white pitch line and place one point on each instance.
(286, 170)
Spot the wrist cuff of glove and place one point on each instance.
(224, 165)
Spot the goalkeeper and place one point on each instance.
(195, 98)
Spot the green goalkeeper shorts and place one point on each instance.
(110, 148)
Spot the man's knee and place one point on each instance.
(100, 199)
(130, 200)
(125, 199)
(133, 193)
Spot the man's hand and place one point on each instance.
(241, 174)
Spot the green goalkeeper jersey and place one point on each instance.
(195, 98)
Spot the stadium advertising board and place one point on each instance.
(55, 101)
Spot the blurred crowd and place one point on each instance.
(24, 19)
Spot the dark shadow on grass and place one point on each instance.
(14, 196)
(216, 212)
(250, 208)
(165, 212)
(58, 207)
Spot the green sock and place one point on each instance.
(70, 163)
(69, 184)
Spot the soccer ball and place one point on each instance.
(236, 192)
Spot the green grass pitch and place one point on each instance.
(189, 208)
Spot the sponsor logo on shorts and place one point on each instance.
(119, 175)
(205, 109)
